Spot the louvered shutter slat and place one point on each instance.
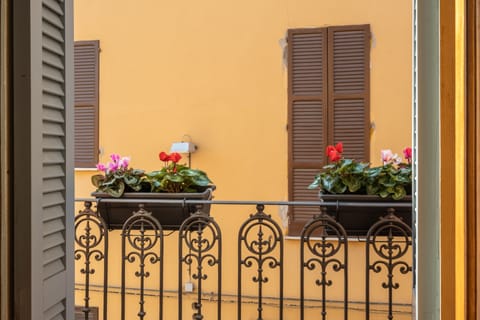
(307, 118)
(307, 71)
(307, 58)
(41, 236)
(86, 103)
(348, 89)
(307, 131)
(80, 315)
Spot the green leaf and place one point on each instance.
(137, 172)
(401, 178)
(156, 174)
(189, 173)
(328, 183)
(129, 180)
(136, 187)
(372, 189)
(386, 181)
(119, 175)
(339, 188)
(201, 181)
(116, 192)
(399, 193)
(353, 184)
(359, 167)
(109, 182)
(316, 183)
(384, 194)
(373, 172)
(329, 166)
(406, 171)
(174, 177)
(97, 180)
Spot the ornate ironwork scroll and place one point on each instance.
(260, 246)
(91, 241)
(200, 236)
(142, 243)
(390, 240)
(324, 247)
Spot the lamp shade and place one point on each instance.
(183, 147)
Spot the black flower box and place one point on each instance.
(170, 215)
(358, 219)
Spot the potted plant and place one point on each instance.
(173, 182)
(348, 180)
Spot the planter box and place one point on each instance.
(357, 220)
(170, 215)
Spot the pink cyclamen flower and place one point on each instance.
(124, 162)
(387, 155)
(101, 167)
(112, 166)
(407, 153)
(115, 157)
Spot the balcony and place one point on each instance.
(239, 264)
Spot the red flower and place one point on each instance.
(339, 147)
(330, 149)
(407, 153)
(175, 157)
(334, 153)
(334, 156)
(163, 156)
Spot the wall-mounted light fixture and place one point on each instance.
(184, 147)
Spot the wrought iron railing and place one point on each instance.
(321, 258)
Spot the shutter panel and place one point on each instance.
(307, 70)
(329, 99)
(42, 160)
(86, 103)
(92, 315)
(349, 89)
(54, 177)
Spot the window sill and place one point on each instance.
(86, 169)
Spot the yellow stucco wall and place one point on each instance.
(214, 70)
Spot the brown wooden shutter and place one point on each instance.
(80, 315)
(349, 89)
(307, 69)
(329, 77)
(86, 103)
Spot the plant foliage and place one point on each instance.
(392, 179)
(173, 177)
